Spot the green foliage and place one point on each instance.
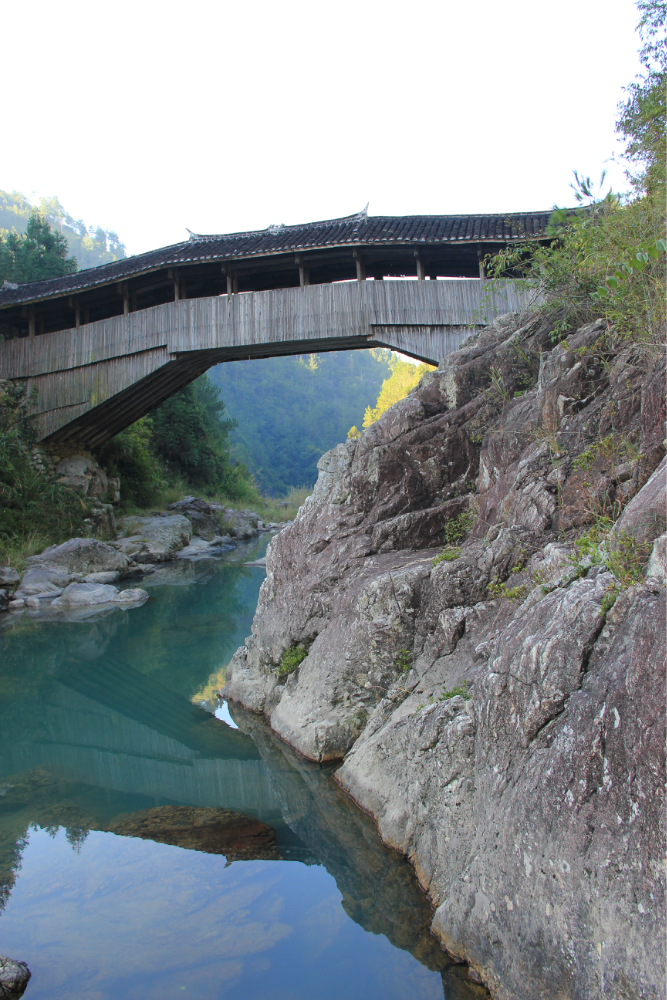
(497, 391)
(447, 555)
(641, 120)
(607, 258)
(291, 659)
(183, 442)
(129, 456)
(623, 555)
(403, 379)
(514, 594)
(292, 409)
(32, 505)
(38, 254)
(404, 661)
(90, 245)
(614, 448)
(609, 599)
(192, 440)
(457, 528)
(461, 690)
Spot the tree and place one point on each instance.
(191, 437)
(91, 245)
(641, 119)
(403, 379)
(38, 254)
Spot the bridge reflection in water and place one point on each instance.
(91, 738)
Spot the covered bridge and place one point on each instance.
(105, 345)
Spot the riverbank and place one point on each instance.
(88, 572)
(469, 614)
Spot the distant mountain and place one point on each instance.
(90, 245)
(291, 410)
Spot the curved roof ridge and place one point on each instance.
(281, 227)
(347, 231)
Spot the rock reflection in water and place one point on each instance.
(379, 889)
(97, 733)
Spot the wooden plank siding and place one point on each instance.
(93, 380)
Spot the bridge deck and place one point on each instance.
(94, 380)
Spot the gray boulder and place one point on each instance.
(110, 576)
(154, 539)
(43, 580)
(8, 577)
(201, 516)
(83, 594)
(14, 978)
(82, 555)
(130, 596)
(237, 523)
(4, 600)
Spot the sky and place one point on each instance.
(150, 117)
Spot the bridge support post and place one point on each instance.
(304, 276)
(75, 305)
(361, 267)
(421, 271)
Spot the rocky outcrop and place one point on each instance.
(499, 701)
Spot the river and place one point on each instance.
(110, 718)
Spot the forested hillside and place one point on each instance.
(89, 245)
(291, 410)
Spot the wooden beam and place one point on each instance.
(361, 267)
(173, 274)
(229, 274)
(74, 304)
(125, 292)
(31, 321)
(482, 269)
(304, 276)
(421, 271)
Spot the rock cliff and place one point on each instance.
(453, 614)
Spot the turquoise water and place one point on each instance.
(98, 725)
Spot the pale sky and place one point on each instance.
(150, 116)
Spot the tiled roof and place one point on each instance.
(353, 230)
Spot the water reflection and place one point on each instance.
(100, 745)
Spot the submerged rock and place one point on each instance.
(14, 977)
(497, 693)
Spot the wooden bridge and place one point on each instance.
(103, 347)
